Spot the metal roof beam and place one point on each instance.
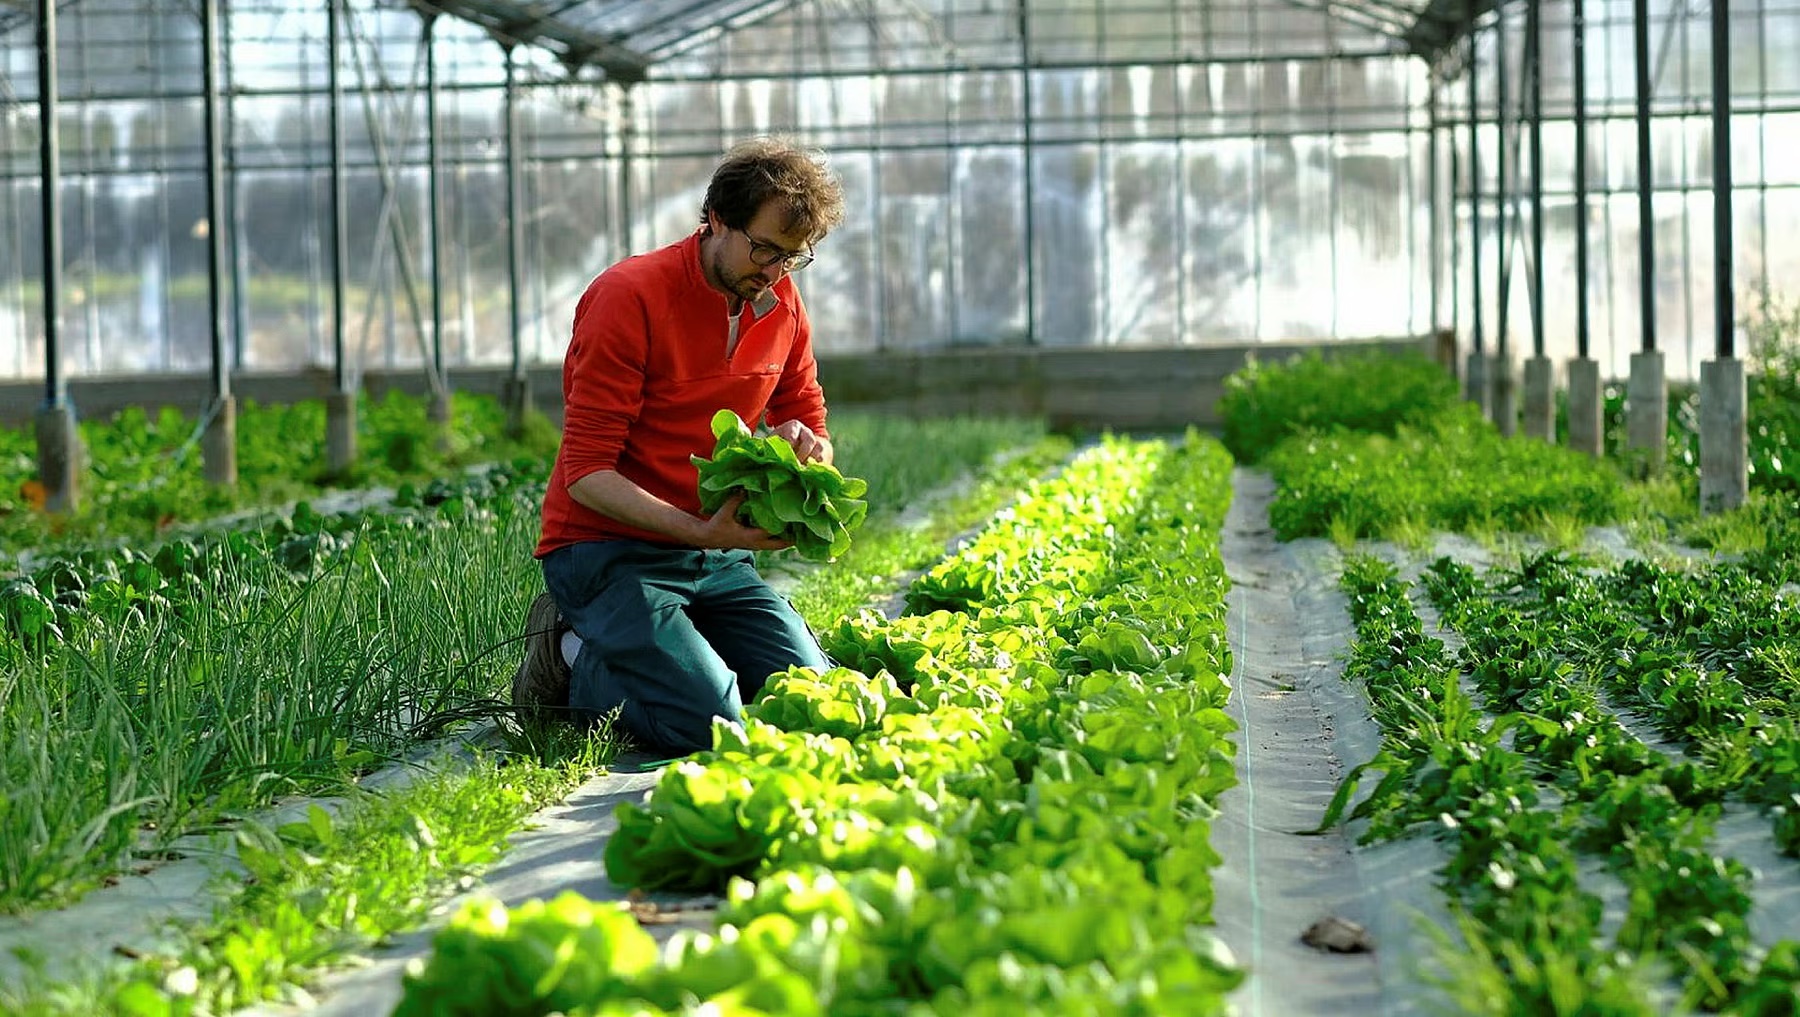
(1443, 23)
(740, 15)
(511, 22)
(14, 13)
(1355, 16)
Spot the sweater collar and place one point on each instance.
(764, 302)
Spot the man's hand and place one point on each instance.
(722, 530)
(807, 445)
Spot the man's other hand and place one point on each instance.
(807, 445)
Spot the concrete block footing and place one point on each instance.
(1475, 383)
(1724, 437)
(59, 457)
(218, 443)
(1540, 399)
(1505, 381)
(1587, 407)
(439, 414)
(340, 432)
(1647, 411)
(515, 396)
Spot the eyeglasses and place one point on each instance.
(763, 254)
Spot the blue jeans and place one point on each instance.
(672, 637)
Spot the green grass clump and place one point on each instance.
(1265, 403)
(260, 680)
(1454, 473)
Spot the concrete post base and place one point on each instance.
(1647, 412)
(515, 396)
(439, 414)
(218, 444)
(1540, 399)
(59, 457)
(1724, 438)
(340, 432)
(1505, 381)
(1587, 407)
(1475, 383)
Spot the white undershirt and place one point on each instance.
(731, 331)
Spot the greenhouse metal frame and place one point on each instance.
(429, 185)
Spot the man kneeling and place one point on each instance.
(653, 609)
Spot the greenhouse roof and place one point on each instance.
(626, 38)
(623, 38)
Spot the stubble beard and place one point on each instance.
(740, 286)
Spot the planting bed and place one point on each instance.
(1146, 743)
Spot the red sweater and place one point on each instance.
(647, 369)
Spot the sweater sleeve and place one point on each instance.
(797, 395)
(603, 376)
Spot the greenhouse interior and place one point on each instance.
(1308, 520)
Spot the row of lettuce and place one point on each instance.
(999, 804)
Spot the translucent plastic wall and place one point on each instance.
(135, 284)
(1061, 172)
(1164, 172)
(1765, 80)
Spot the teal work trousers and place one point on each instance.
(672, 637)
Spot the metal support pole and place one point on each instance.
(1648, 392)
(1587, 404)
(1533, 42)
(1504, 411)
(1583, 337)
(517, 388)
(58, 440)
(627, 142)
(1724, 268)
(234, 208)
(1333, 192)
(1455, 230)
(1640, 34)
(220, 437)
(1031, 336)
(434, 155)
(1475, 317)
(1435, 238)
(1475, 380)
(1724, 438)
(340, 405)
(1540, 373)
(1502, 185)
(56, 392)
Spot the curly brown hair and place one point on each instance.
(761, 170)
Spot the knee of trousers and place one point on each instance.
(687, 727)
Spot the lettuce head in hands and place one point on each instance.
(810, 504)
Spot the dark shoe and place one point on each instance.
(543, 677)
